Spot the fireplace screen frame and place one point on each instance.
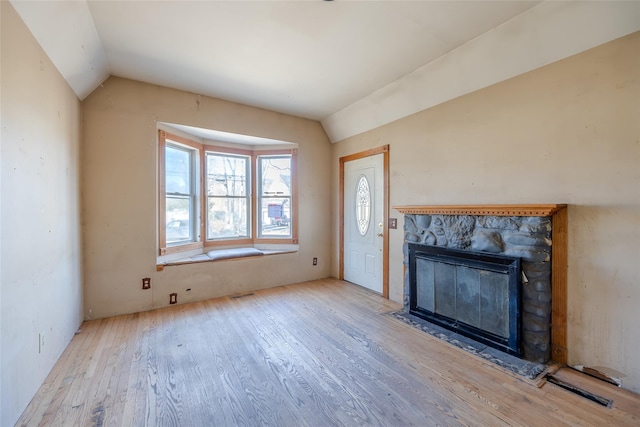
(502, 264)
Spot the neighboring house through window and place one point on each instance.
(274, 195)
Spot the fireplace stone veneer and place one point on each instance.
(522, 233)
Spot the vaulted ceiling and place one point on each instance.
(354, 65)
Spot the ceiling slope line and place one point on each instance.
(546, 33)
(67, 34)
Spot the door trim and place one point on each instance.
(384, 150)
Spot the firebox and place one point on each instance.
(475, 294)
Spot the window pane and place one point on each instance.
(226, 218)
(275, 176)
(178, 215)
(226, 175)
(177, 170)
(275, 217)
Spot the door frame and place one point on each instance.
(384, 150)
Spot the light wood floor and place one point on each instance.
(321, 353)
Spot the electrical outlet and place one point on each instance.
(146, 283)
(41, 342)
(315, 261)
(393, 223)
(173, 298)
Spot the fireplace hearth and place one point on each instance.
(521, 232)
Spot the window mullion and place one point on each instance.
(202, 195)
(162, 201)
(253, 194)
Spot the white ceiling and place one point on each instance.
(219, 136)
(312, 58)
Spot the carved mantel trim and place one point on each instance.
(493, 210)
(559, 228)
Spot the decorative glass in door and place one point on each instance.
(363, 205)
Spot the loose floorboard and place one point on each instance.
(321, 353)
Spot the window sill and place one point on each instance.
(226, 254)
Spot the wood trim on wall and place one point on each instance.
(559, 230)
(385, 212)
(341, 221)
(162, 193)
(494, 210)
(559, 265)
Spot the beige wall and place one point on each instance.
(565, 133)
(578, 118)
(120, 201)
(40, 255)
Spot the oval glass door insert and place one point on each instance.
(363, 205)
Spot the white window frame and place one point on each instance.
(236, 154)
(194, 149)
(261, 196)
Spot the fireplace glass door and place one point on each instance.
(475, 294)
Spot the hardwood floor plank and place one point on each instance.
(440, 406)
(320, 389)
(317, 389)
(321, 353)
(368, 389)
(57, 380)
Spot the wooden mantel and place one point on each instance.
(559, 229)
(493, 210)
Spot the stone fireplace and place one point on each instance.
(526, 233)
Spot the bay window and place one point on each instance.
(219, 196)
